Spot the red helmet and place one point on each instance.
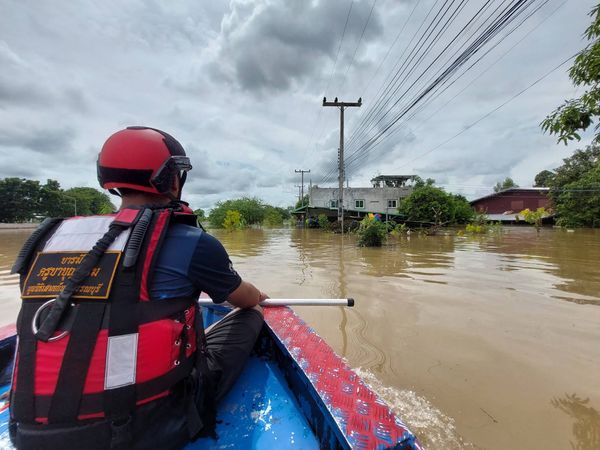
(142, 158)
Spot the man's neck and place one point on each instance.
(134, 200)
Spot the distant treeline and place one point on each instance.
(242, 212)
(23, 200)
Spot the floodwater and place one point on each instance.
(488, 342)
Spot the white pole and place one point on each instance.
(295, 302)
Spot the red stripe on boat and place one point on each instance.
(365, 420)
(8, 331)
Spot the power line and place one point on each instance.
(357, 46)
(381, 94)
(432, 99)
(330, 76)
(468, 127)
(499, 23)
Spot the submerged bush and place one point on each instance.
(233, 220)
(534, 217)
(323, 221)
(371, 232)
(273, 218)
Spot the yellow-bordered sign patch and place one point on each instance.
(50, 271)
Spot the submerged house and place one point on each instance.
(382, 197)
(505, 206)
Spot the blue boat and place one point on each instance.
(294, 392)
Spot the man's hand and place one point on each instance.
(246, 296)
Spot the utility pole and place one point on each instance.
(341, 174)
(302, 194)
(299, 192)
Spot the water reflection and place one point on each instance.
(250, 242)
(586, 428)
(566, 255)
(10, 244)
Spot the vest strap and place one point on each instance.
(64, 406)
(22, 398)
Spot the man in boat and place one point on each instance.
(123, 361)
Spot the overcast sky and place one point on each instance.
(240, 84)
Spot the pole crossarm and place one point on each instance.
(344, 104)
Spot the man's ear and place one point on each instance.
(176, 187)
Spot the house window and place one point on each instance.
(333, 204)
(516, 205)
(359, 203)
(392, 203)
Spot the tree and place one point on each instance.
(575, 189)
(200, 214)
(576, 166)
(302, 202)
(576, 115)
(463, 211)
(53, 202)
(273, 217)
(506, 184)
(89, 201)
(20, 199)
(428, 203)
(251, 209)
(23, 200)
(544, 178)
(578, 202)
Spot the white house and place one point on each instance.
(383, 197)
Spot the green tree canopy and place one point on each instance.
(20, 199)
(575, 189)
(428, 203)
(273, 217)
(302, 202)
(24, 200)
(200, 214)
(544, 178)
(252, 210)
(89, 201)
(506, 184)
(578, 203)
(576, 115)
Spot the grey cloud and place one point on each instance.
(15, 92)
(270, 46)
(46, 140)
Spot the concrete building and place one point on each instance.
(382, 197)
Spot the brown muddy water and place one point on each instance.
(488, 342)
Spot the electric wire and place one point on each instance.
(330, 77)
(471, 125)
(506, 17)
(431, 100)
(357, 45)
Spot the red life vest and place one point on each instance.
(114, 347)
